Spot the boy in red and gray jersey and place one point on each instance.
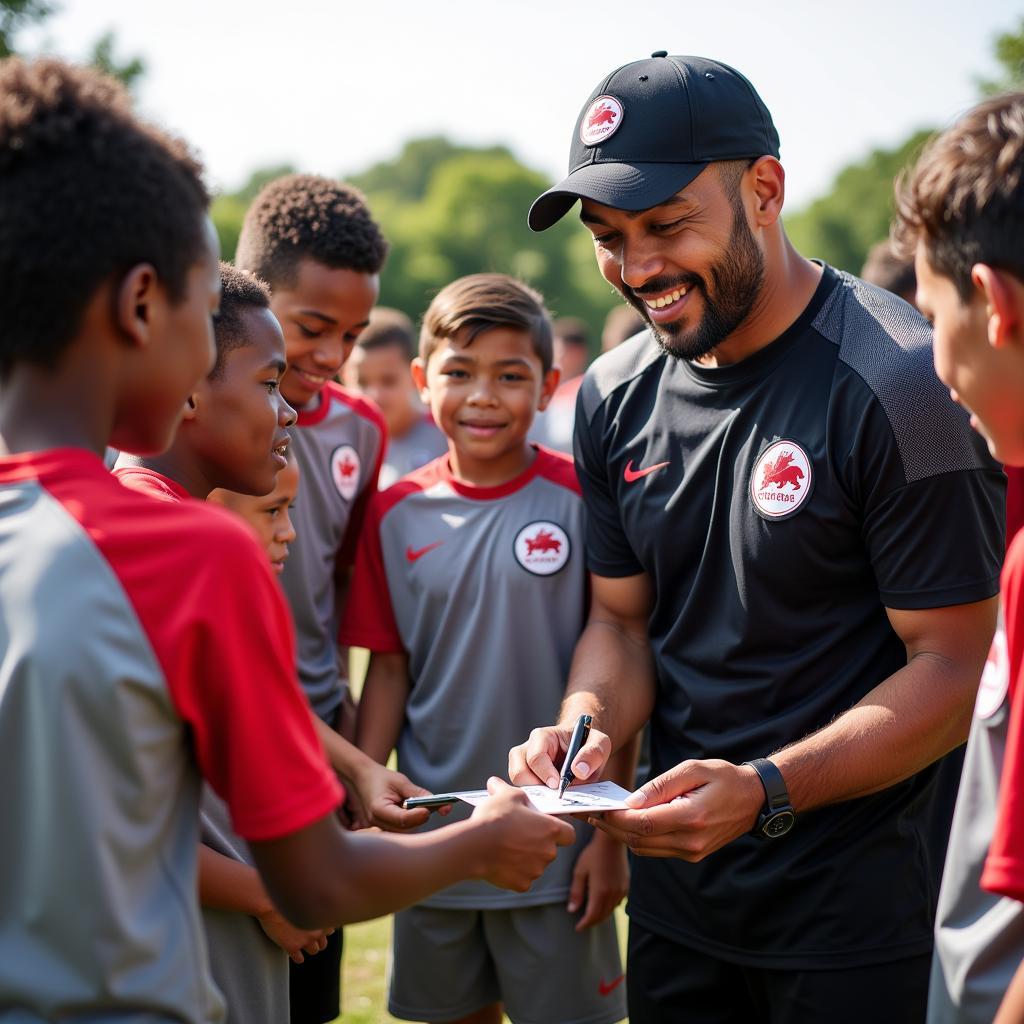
(470, 591)
(144, 642)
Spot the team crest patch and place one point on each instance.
(542, 548)
(601, 121)
(345, 470)
(995, 678)
(781, 480)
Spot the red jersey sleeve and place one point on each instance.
(369, 618)
(1004, 868)
(232, 679)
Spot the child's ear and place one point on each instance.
(134, 304)
(418, 369)
(191, 405)
(548, 386)
(1004, 304)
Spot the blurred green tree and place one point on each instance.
(1009, 54)
(16, 15)
(841, 226)
(102, 57)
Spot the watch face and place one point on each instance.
(778, 824)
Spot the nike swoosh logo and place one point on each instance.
(607, 987)
(631, 475)
(414, 555)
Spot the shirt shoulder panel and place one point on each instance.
(616, 369)
(558, 468)
(888, 344)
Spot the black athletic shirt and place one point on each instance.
(779, 505)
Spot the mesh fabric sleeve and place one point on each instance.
(933, 540)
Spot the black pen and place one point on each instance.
(580, 732)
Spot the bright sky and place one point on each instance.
(335, 86)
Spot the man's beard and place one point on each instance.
(737, 280)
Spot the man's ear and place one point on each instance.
(767, 179)
(548, 387)
(1003, 295)
(133, 304)
(418, 369)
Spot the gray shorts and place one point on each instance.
(446, 964)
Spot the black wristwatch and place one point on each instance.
(776, 817)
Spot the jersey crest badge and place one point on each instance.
(601, 121)
(542, 548)
(995, 677)
(345, 470)
(781, 480)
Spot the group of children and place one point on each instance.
(175, 713)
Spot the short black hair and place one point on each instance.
(87, 191)
(239, 291)
(304, 216)
(389, 327)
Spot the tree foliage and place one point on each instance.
(16, 15)
(1009, 53)
(449, 210)
(102, 57)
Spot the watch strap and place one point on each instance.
(776, 794)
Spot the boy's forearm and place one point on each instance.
(358, 877)
(345, 758)
(382, 705)
(226, 884)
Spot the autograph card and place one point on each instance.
(592, 798)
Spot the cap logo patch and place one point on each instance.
(995, 678)
(781, 480)
(542, 548)
(345, 470)
(601, 121)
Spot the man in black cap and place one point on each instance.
(795, 539)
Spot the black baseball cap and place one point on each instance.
(650, 127)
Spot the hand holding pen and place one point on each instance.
(580, 733)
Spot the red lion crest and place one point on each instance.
(603, 114)
(782, 472)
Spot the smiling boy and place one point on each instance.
(470, 592)
(961, 213)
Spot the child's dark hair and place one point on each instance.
(387, 328)
(303, 216)
(965, 198)
(480, 302)
(87, 191)
(239, 291)
(889, 269)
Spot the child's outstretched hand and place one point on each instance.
(296, 942)
(600, 880)
(377, 799)
(520, 841)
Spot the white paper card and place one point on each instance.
(589, 798)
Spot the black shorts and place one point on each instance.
(315, 985)
(672, 982)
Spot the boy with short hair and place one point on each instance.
(961, 212)
(315, 243)
(470, 593)
(134, 631)
(379, 369)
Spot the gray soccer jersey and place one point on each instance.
(423, 443)
(979, 936)
(142, 642)
(338, 446)
(485, 589)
